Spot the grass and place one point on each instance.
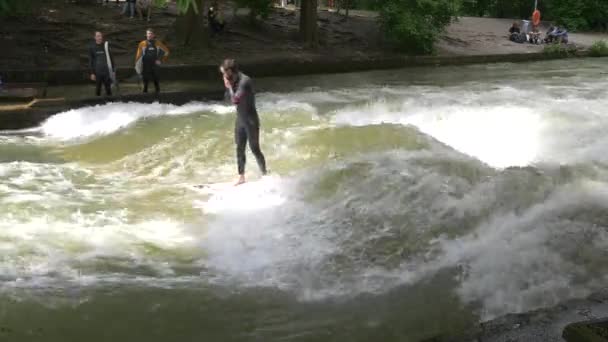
(560, 50)
(599, 49)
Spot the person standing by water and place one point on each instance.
(130, 8)
(101, 72)
(150, 54)
(239, 90)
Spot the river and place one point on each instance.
(401, 205)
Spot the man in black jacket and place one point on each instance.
(100, 70)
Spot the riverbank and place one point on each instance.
(201, 82)
(57, 37)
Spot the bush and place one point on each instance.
(260, 8)
(599, 49)
(559, 50)
(15, 7)
(414, 25)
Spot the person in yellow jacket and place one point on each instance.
(150, 54)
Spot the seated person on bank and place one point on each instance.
(557, 35)
(561, 35)
(514, 28)
(515, 34)
(534, 36)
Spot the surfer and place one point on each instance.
(150, 53)
(102, 64)
(239, 90)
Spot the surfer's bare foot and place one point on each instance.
(240, 181)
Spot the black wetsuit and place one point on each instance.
(247, 124)
(150, 68)
(99, 67)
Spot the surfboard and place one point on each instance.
(209, 188)
(213, 187)
(111, 67)
(226, 197)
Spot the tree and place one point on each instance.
(15, 7)
(344, 4)
(309, 31)
(414, 25)
(193, 20)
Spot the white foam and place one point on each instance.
(502, 126)
(252, 196)
(517, 263)
(108, 118)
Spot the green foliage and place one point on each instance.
(559, 50)
(599, 49)
(15, 7)
(500, 8)
(370, 5)
(260, 8)
(414, 25)
(569, 13)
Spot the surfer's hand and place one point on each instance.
(93, 78)
(157, 62)
(227, 83)
(114, 75)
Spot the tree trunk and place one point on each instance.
(191, 28)
(308, 23)
(347, 6)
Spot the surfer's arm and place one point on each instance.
(92, 59)
(163, 51)
(240, 91)
(229, 93)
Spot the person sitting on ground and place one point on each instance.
(561, 35)
(556, 35)
(550, 35)
(534, 35)
(514, 28)
(515, 34)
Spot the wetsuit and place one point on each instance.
(99, 67)
(150, 68)
(247, 124)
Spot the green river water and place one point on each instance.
(401, 205)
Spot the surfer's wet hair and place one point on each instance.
(230, 64)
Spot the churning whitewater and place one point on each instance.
(486, 183)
